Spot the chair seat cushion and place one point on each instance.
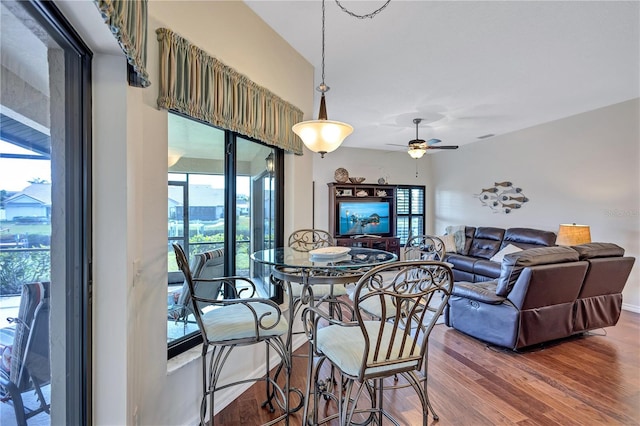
(236, 321)
(344, 346)
(319, 290)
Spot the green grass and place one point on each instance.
(13, 228)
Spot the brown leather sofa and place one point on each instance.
(473, 264)
(543, 294)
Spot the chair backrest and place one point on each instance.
(30, 348)
(424, 247)
(412, 301)
(207, 265)
(310, 239)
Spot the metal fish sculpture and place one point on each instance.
(491, 190)
(521, 198)
(502, 198)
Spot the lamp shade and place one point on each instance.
(322, 135)
(573, 235)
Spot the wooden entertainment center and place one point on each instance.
(349, 195)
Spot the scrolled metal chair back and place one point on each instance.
(424, 247)
(412, 301)
(310, 239)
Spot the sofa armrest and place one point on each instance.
(484, 292)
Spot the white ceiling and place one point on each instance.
(469, 68)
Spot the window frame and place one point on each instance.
(409, 216)
(231, 139)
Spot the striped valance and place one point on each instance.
(196, 84)
(128, 23)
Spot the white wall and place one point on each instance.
(581, 169)
(133, 382)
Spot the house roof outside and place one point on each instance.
(40, 192)
(199, 195)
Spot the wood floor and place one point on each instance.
(588, 380)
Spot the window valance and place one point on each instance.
(128, 23)
(202, 87)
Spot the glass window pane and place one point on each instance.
(417, 201)
(403, 228)
(196, 209)
(200, 173)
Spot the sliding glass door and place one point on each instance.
(45, 199)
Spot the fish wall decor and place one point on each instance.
(502, 197)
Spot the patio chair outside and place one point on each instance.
(29, 367)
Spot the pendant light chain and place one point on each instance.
(355, 15)
(323, 87)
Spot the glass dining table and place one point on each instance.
(324, 266)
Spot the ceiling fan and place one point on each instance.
(418, 147)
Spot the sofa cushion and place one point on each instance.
(461, 262)
(459, 236)
(508, 249)
(486, 268)
(514, 263)
(486, 242)
(449, 242)
(594, 250)
(527, 238)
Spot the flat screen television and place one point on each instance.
(364, 217)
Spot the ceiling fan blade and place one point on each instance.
(397, 144)
(433, 141)
(444, 147)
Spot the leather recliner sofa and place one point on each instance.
(543, 294)
(473, 263)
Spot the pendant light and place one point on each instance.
(322, 135)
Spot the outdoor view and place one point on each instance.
(25, 240)
(199, 213)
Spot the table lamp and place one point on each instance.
(571, 234)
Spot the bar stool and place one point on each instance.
(230, 323)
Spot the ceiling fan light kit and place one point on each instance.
(416, 150)
(418, 147)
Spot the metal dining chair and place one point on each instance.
(306, 240)
(229, 323)
(365, 351)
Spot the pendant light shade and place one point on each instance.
(322, 135)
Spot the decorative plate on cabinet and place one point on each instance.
(341, 175)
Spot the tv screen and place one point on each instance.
(364, 217)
